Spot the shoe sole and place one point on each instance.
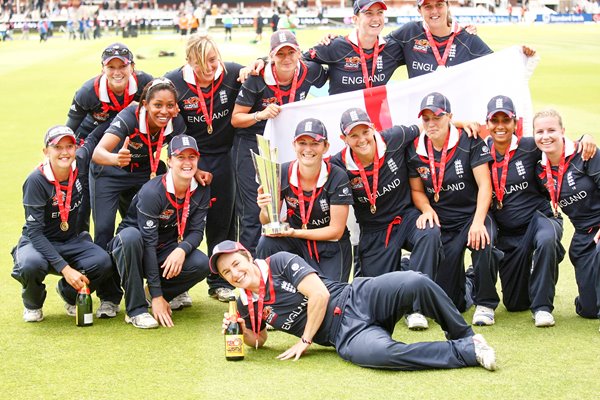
(130, 321)
(105, 316)
(483, 323)
(545, 325)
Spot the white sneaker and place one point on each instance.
(142, 321)
(222, 294)
(35, 315)
(107, 309)
(543, 319)
(485, 355)
(70, 310)
(183, 300)
(483, 316)
(416, 322)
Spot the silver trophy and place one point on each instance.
(268, 171)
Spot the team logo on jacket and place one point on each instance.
(100, 116)
(135, 145)
(520, 168)
(269, 316)
(324, 205)
(166, 214)
(352, 63)
(270, 100)
(291, 201)
(458, 167)
(356, 183)
(570, 179)
(423, 172)
(191, 103)
(223, 96)
(421, 45)
(392, 165)
(288, 287)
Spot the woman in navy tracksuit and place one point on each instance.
(574, 185)
(96, 103)
(207, 88)
(285, 79)
(317, 196)
(158, 239)
(50, 242)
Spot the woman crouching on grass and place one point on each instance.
(574, 185)
(158, 239)
(50, 243)
(317, 196)
(357, 319)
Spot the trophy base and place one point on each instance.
(274, 228)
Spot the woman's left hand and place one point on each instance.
(478, 236)
(295, 351)
(528, 51)
(173, 264)
(204, 177)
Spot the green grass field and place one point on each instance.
(111, 360)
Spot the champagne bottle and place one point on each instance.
(234, 338)
(84, 315)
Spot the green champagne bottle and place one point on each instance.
(84, 315)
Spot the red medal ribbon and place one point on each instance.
(499, 188)
(64, 206)
(185, 209)
(202, 96)
(261, 300)
(363, 62)
(304, 214)
(371, 194)
(554, 189)
(434, 45)
(437, 183)
(114, 104)
(279, 93)
(154, 156)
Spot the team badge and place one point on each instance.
(165, 215)
(291, 201)
(352, 63)
(100, 116)
(324, 205)
(421, 45)
(356, 183)
(223, 96)
(191, 103)
(423, 172)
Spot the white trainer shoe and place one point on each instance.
(416, 322)
(142, 321)
(35, 315)
(483, 316)
(221, 294)
(71, 310)
(183, 300)
(543, 319)
(107, 309)
(485, 355)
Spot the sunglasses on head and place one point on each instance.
(116, 52)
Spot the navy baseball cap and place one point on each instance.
(283, 38)
(225, 247)
(353, 117)
(311, 127)
(436, 102)
(182, 142)
(56, 133)
(117, 50)
(364, 5)
(501, 104)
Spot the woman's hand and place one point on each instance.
(263, 199)
(428, 218)
(478, 236)
(124, 154)
(294, 352)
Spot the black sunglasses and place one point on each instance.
(116, 52)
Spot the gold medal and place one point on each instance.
(152, 175)
(373, 209)
(209, 129)
(499, 205)
(304, 226)
(64, 226)
(436, 197)
(179, 239)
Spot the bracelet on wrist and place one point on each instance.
(306, 341)
(256, 116)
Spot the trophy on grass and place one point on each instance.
(269, 177)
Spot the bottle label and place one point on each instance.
(88, 318)
(234, 345)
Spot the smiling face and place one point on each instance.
(205, 61)
(309, 152)
(117, 74)
(548, 134)
(371, 21)
(286, 59)
(161, 107)
(435, 14)
(62, 154)
(239, 270)
(501, 128)
(185, 164)
(361, 140)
